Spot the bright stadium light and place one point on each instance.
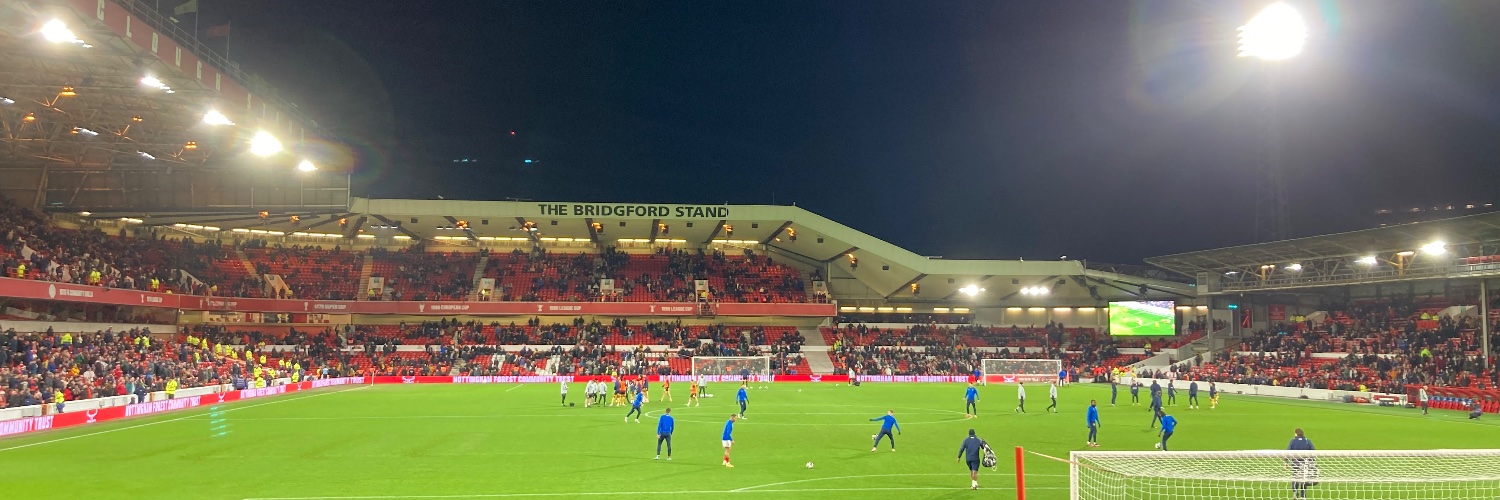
(1435, 248)
(146, 155)
(1294, 267)
(215, 118)
(7, 101)
(56, 31)
(264, 144)
(1274, 34)
(306, 166)
(971, 290)
(1368, 260)
(154, 82)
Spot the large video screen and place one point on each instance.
(1143, 318)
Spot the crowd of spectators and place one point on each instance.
(52, 367)
(141, 258)
(1375, 346)
(958, 349)
(415, 274)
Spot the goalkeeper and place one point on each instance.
(1304, 470)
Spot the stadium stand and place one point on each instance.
(417, 275)
(309, 272)
(35, 248)
(1387, 346)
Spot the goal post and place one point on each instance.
(1010, 371)
(1281, 474)
(732, 368)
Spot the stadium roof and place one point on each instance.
(861, 266)
(1460, 231)
(100, 85)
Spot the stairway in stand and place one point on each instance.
(484, 261)
(819, 359)
(245, 261)
(366, 268)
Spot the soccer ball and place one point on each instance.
(809, 465)
(1157, 445)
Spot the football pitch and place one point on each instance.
(515, 441)
(1127, 321)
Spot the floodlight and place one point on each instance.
(970, 290)
(56, 31)
(7, 101)
(264, 144)
(214, 117)
(1294, 267)
(84, 131)
(1368, 260)
(1276, 33)
(153, 82)
(306, 166)
(145, 155)
(1435, 248)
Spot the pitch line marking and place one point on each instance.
(750, 489)
(38, 443)
(625, 493)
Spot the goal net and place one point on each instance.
(1010, 371)
(1257, 475)
(732, 368)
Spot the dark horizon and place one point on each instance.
(1108, 131)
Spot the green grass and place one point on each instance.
(1125, 322)
(508, 441)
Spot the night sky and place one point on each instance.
(1108, 130)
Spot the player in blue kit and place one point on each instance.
(1193, 395)
(1171, 393)
(635, 408)
(664, 427)
(1168, 426)
(1135, 392)
(1093, 420)
(728, 438)
(887, 422)
(743, 398)
(971, 408)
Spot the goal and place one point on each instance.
(732, 368)
(1010, 371)
(1279, 474)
